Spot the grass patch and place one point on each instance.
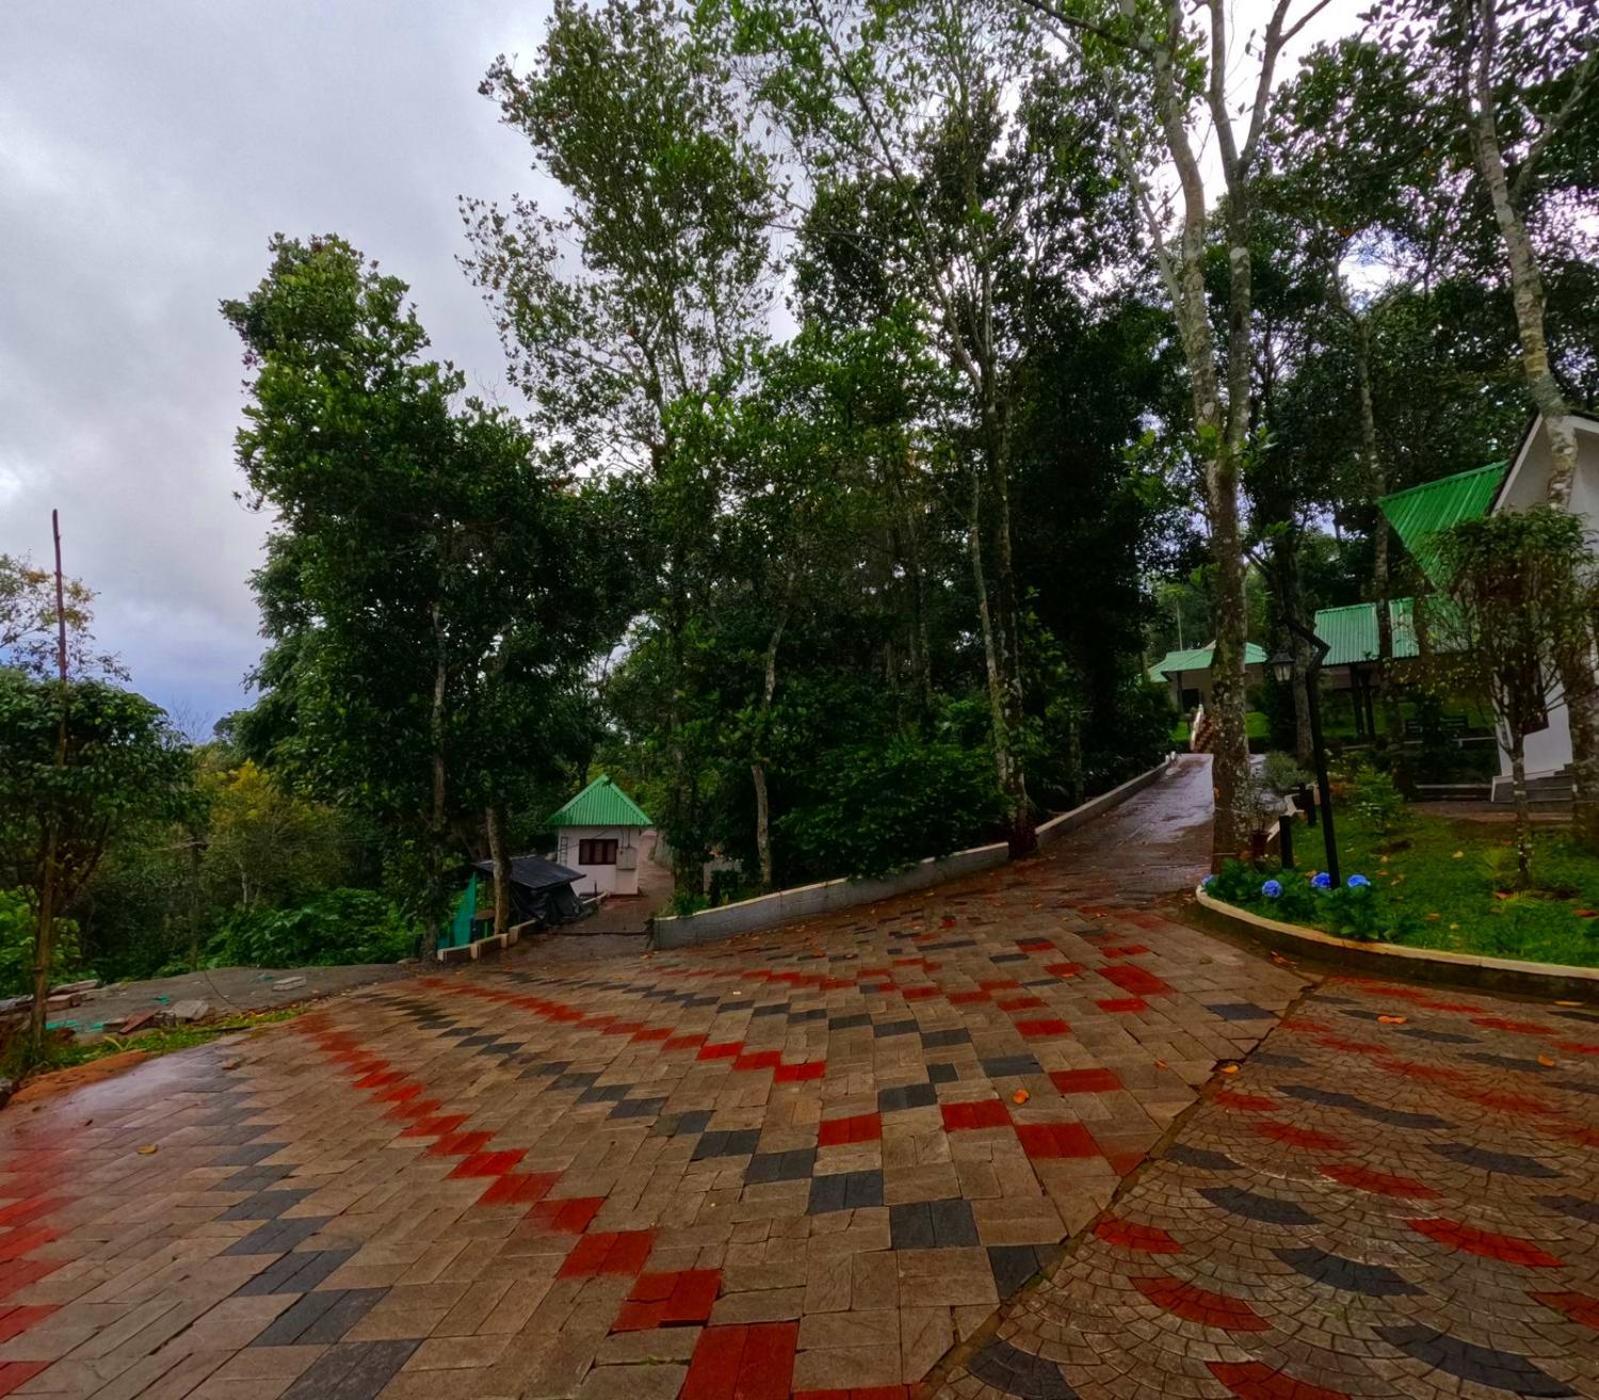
(1445, 884)
(1255, 722)
(64, 1053)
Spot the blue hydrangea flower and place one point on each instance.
(1357, 882)
(1271, 889)
(1321, 880)
(1208, 881)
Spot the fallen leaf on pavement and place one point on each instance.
(1392, 1020)
(1020, 1096)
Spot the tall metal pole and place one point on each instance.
(1318, 650)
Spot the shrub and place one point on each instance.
(1280, 773)
(341, 926)
(1378, 800)
(891, 805)
(17, 925)
(1356, 910)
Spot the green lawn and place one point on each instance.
(1255, 720)
(1446, 884)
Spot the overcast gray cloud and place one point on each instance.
(146, 153)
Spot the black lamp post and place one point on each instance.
(1282, 666)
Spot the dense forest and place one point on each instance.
(894, 384)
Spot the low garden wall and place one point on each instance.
(807, 901)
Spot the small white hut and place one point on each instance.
(599, 835)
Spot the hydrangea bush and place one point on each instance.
(1357, 909)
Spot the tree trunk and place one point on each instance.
(436, 817)
(196, 861)
(1005, 613)
(1518, 782)
(42, 944)
(1527, 297)
(763, 823)
(1022, 835)
(1377, 480)
(1220, 431)
(763, 812)
(1304, 748)
(494, 824)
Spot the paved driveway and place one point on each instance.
(812, 1161)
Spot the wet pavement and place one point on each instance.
(827, 1161)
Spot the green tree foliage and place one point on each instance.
(28, 631)
(432, 591)
(1518, 595)
(80, 765)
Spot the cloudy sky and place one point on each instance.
(147, 151)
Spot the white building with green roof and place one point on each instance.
(599, 834)
(1188, 673)
(1421, 513)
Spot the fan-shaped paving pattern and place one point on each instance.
(1397, 1195)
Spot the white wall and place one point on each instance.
(601, 879)
(1549, 750)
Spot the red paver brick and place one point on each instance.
(489, 1163)
(1378, 1183)
(1138, 981)
(1086, 1081)
(1292, 1136)
(569, 1216)
(1142, 1239)
(16, 1373)
(519, 1189)
(15, 1321)
(1579, 1307)
(1195, 1304)
(1508, 1249)
(984, 1113)
(664, 1299)
(861, 1127)
(1253, 1380)
(1044, 1028)
(1043, 1140)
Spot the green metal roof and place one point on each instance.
(1421, 512)
(1198, 659)
(601, 803)
(1351, 633)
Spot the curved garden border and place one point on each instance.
(1466, 970)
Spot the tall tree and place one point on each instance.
(966, 175)
(653, 285)
(427, 601)
(1523, 78)
(1162, 64)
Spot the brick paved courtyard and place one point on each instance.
(816, 1161)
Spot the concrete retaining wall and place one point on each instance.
(808, 901)
(1057, 827)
